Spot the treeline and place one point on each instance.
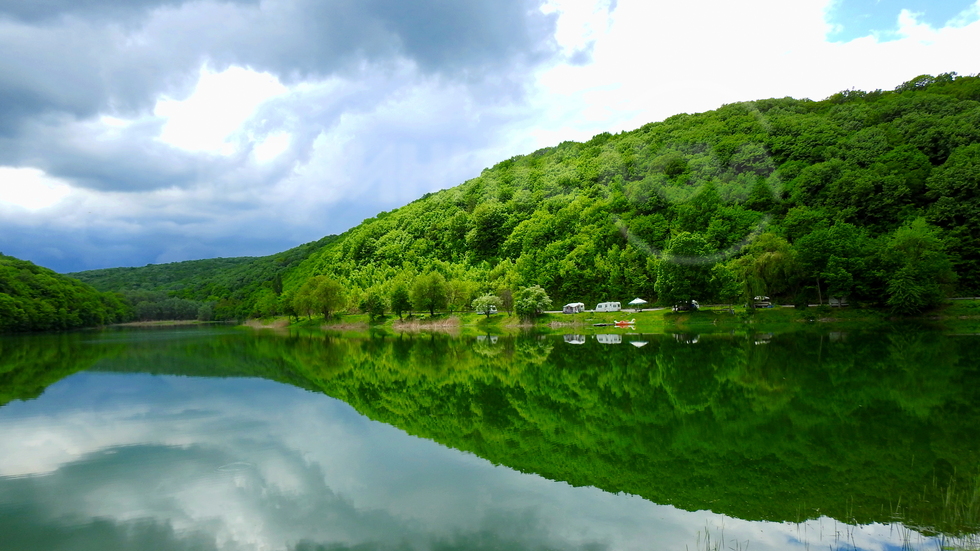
(218, 288)
(159, 305)
(871, 197)
(33, 298)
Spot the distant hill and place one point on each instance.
(33, 298)
(160, 277)
(230, 283)
(871, 196)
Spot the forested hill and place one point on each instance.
(155, 277)
(223, 288)
(33, 298)
(871, 196)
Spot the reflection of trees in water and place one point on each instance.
(28, 364)
(687, 374)
(784, 427)
(753, 429)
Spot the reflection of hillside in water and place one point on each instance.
(776, 427)
(857, 426)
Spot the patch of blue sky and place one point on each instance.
(879, 18)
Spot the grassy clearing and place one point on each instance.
(961, 309)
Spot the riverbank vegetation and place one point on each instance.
(872, 198)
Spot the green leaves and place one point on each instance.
(767, 266)
(428, 292)
(919, 267)
(487, 304)
(319, 294)
(531, 301)
(684, 273)
(33, 298)
(399, 299)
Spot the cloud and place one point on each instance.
(657, 59)
(30, 188)
(80, 65)
(48, 10)
(219, 105)
(853, 19)
(190, 117)
(345, 148)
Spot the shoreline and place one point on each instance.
(956, 314)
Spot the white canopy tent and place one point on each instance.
(637, 302)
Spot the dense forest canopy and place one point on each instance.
(33, 298)
(872, 197)
(218, 288)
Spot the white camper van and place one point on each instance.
(608, 307)
(609, 339)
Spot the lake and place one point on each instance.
(221, 438)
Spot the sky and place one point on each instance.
(150, 131)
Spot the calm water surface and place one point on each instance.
(220, 438)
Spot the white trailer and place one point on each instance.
(608, 307)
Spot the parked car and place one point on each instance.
(691, 306)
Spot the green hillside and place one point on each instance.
(33, 298)
(174, 276)
(226, 288)
(869, 196)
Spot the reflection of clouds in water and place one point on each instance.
(250, 464)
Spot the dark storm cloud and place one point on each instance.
(81, 69)
(461, 34)
(47, 10)
(131, 161)
(80, 66)
(463, 66)
(313, 36)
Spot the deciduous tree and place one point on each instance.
(486, 303)
(399, 299)
(428, 292)
(531, 301)
(684, 272)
